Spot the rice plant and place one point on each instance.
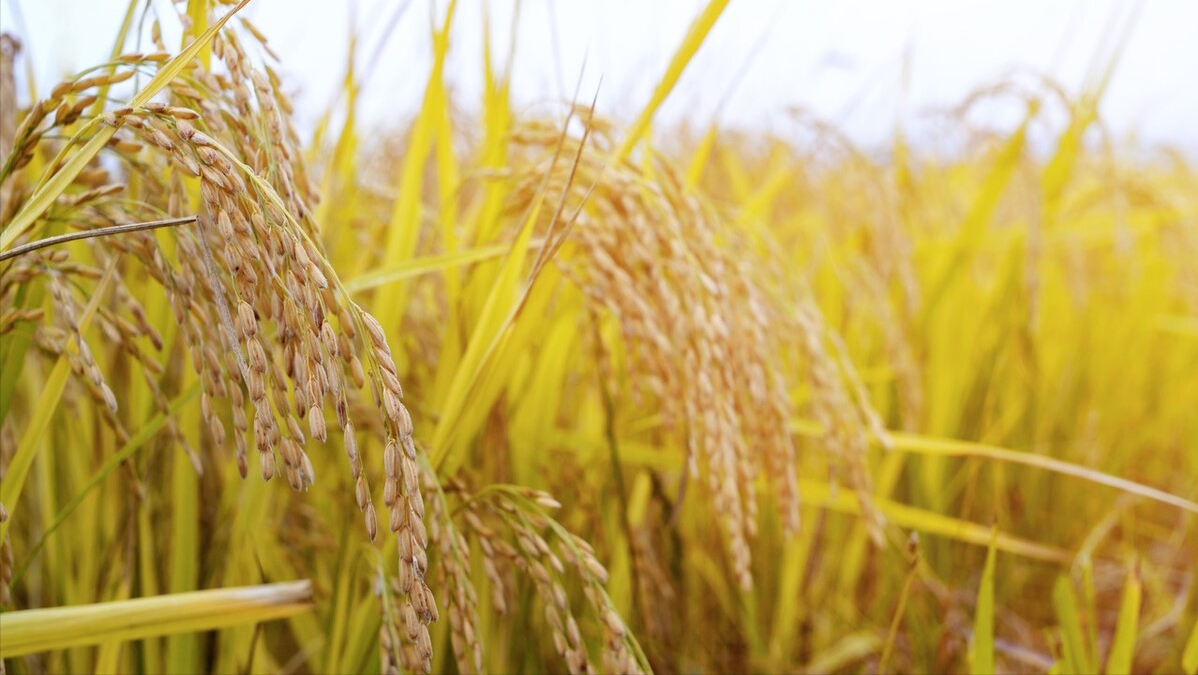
(634, 398)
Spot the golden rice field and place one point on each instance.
(488, 393)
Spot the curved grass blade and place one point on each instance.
(852, 648)
(822, 495)
(948, 447)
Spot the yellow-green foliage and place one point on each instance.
(674, 410)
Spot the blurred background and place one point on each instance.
(864, 66)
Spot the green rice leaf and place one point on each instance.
(981, 645)
(1124, 644)
(1064, 602)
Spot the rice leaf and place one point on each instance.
(948, 447)
(701, 157)
(403, 230)
(1064, 602)
(981, 644)
(1123, 645)
(39, 630)
(1189, 657)
(415, 267)
(499, 312)
(182, 650)
(825, 496)
(118, 46)
(698, 31)
(848, 650)
(981, 211)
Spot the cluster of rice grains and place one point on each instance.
(660, 260)
(517, 541)
(255, 300)
(513, 531)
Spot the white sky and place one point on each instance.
(843, 60)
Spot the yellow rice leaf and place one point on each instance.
(947, 447)
(982, 210)
(793, 564)
(39, 630)
(758, 204)
(694, 171)
(147, 570)
(496, 317)
(953, 448)
(497, 121)
(414, 267)
(1186, 326)
(848, 650)
(345, 149)
(1059, 169)
(698, 31)
(118, 46)
(496, 371)
(824, 496)
(197, 11)
(494, 327)
(403, 230)
(1189, 658)
(182, 650)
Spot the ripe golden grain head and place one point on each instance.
(255, 299)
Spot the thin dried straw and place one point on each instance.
(97, 232)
